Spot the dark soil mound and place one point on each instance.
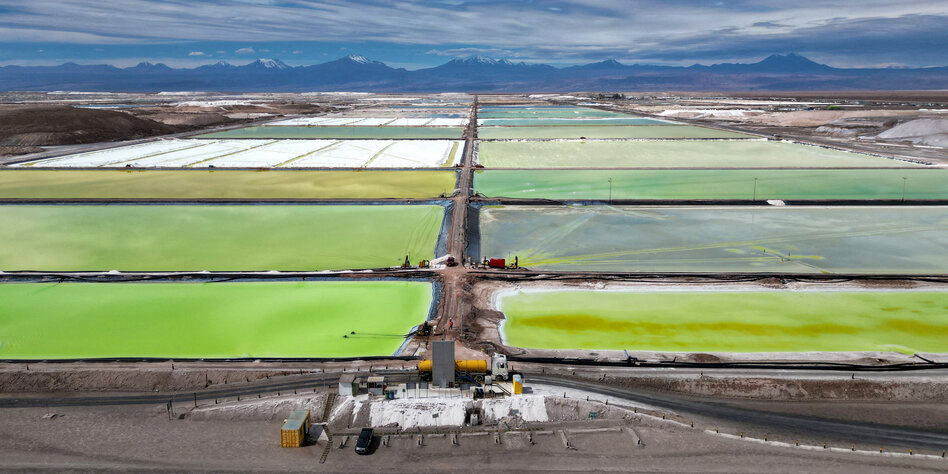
(64, 125)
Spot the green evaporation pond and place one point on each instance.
(607, 131)
(728, 321)
(812, 184)
(337, 132)
(555, 122)
(712, 239)
(543, 112)
(224, 184)
(215, 237)
(209, 320)
(672, 154)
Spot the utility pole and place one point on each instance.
(904, 179)
(610, 190)
(755, 189)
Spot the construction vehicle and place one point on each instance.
(476, 368)
(451, 262)
(424, 264)
(406, 263)
(424, 330)
(501, 263)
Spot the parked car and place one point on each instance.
(365, 440)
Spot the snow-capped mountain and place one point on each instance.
(358, 73)
(271, 64)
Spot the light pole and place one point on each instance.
(755, 189)
(610, 190)
(904, 179)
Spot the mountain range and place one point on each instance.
(475, 74)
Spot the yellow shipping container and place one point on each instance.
(295, 429)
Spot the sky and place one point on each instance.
(417, 34)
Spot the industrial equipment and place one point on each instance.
(501, 263)
(424, 329)
(478, 368)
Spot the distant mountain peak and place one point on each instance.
(274, 64)
(480, 60)
(359, 59)
(789, 71)
(150, 65)
(791, 60)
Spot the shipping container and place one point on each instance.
(295, 429)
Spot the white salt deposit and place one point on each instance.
(411, 413)
(409, 122)
(267, 153)
(931, 132)
(347, 153)
(527, 407)
(416, 154)
(270, 155)
(448, 122)
(98, 158)
(200, 152)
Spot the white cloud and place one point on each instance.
(464, 52)
(582, 29)
(197, 53)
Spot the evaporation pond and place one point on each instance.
(705, 184)
(224, 184)
(671, 154)
(338, 132)
(728, 321)
(209, 320)
(215, 237)
(606, 131)
(863, 240)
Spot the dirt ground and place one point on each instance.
(850, 120)
(31, 122)
(144, 438)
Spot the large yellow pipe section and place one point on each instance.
(459, 365)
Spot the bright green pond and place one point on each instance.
(208, 320)
(215, 237)
(813, 184)
(607, 131)
(728, 321)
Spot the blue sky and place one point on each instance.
(414, 34)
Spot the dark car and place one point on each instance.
(365, 441)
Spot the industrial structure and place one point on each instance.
(441, 376)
